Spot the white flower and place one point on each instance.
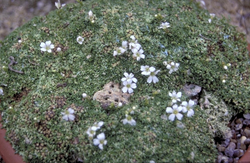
(188, 107)
(68, 115)
(152, 76)
(20, 41)
(136, 46)
(120, 104)
(151, 161)
(80, 39)
(223, 81)
(225, 67)
(100, 141)
(47, 46)
(173, 67)
(90, 14)
(164, 25)
(98, 125)
(129, 77)
(133, 44)
(128, 87)
(91, 131)
(175, 96)
(138, 54)
(58, 5)
(211, 17)
(119, 51)
(175, 112)
(84, 95)
(1, 91)
(146, 70)
(129, 120)
(133, 38)
(124, 44)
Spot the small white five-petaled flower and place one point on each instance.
(119, 51)
(128, 87)
(100, 141)
(152, 76)
(129, 120)
(138, 54)
(129, 77)
(124, 44)
(91, 131)
(173, 67)
(175, 112)
(68, 115)
(80, 39)
(47, 46)
(188, 107)
(175, 96)
(165, 25)
(146, 70)
(98, 125)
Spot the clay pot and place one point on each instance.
(6, 150)
(246, 157)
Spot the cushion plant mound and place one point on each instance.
(67, 93)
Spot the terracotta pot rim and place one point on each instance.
(6, 151)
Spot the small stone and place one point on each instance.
(230, 149)
(239, 121)
(247, 116)
(221, 148)
(222, 159)
(191, 89)
(246, 122)
(238, 126)
(241, 141)
(238, 153)
(236, 159)
(247, 132)
(225, 143)
(247, 141)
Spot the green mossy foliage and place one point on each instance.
(201, 48)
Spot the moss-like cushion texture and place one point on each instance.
(51, 83)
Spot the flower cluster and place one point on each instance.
(134, 46)
(92, 130)
(172, 66)
(129, 119)
(129, 83)
(175, 110)
(100, 138)
(68, 115)
(151, 72)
